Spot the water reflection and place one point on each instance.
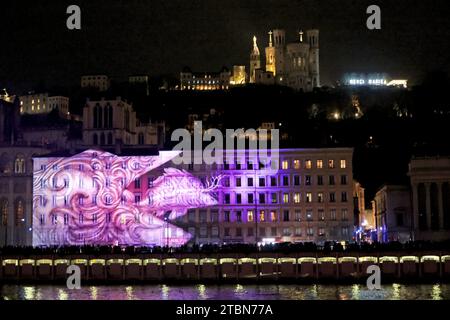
(228, 292)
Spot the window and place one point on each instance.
(273, 216)
(321, 213)
(273, 181)
(343, 164)
(344, 213)
(249, 165)
(262, 216)
(344, 231)
(273, 197)
(238, 216)
(203, 216)
(331, 180)
(321, 232)
(226, 182)
(319, 164)
(310, 231)
(285, 165)
(320, 180)
(331, 164)
(203, 232)
(262, 198)
(137, 183)
(262, 182)
(19, 164)
(308, 164)
(214, 231)
(308, 197)
(226, 232)
(238, 182)
(286, 232)
(226, 199)
(285, 180)
(238, 198)
(285, 197)
(250, 232)
(250, 182)
(262, 232)
(273, 231)
(286, 215)
(309, 215)
(296, 180)
(343, 179)
(333, 214)
(332, 197)
(250, 198)
(320, 197)
(298, 215)
(214, 215)
(137, 199)
(296, 164)
(297, 197)
(250, 216)
(226, 216)
(298, 232)
(344, 196)
(308, 180)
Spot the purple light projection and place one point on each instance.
(88, 199)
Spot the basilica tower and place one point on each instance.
(255, 60)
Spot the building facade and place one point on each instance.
(205, 80)
(99, 81)
(43, 103)
(309, 198)
(393, 213)
(295, 64)
(430, 184)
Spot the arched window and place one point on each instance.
(19, 212)
(140, 138)
(110, 138)
(5, 165)
(95, 139)
(4, 211)
(102, 138)
(19, 164)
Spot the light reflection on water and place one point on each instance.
(228, 292)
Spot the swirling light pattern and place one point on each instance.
(87, 199)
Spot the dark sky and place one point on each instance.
(161, 36)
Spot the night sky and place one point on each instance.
(159, 37)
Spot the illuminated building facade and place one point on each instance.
(43, 103)
(295, 64)
(97, 197)
(205, 80)
(239, 76)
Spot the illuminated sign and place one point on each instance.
(90, 199)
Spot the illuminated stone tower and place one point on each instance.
(312, 37)
(255, 60)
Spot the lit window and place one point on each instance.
(297, 197)
(273, 215)
(308, 164)
(262, 216)
(331, 164)
(343, 164)
(274, 197)
(285, 197)
(308, 197)
(250, 216)
(296, 164)
(320, 197)
(319, 164)
(285, 165)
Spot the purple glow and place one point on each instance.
(87, 199)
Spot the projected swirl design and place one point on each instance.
(89, 199)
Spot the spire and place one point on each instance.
(255, 51)
(301, 35)
(270, 38)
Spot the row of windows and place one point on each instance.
(204, 232)
(285, 181)
(286, 198)
(19, 164)
(19, 211)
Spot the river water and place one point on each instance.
(228, 292)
